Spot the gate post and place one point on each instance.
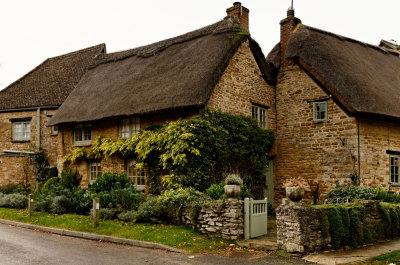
(246, 218)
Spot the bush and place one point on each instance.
(124, 199)
(70, 179)
(128, 216)
(364, 193)
(153, 210)
(216, 191)
(51, 183)
(60, 204)
(245, 192)
(109, 181)
(17, 201)
(81, 202)
(107, 214)
(356, 237)
(336, 227)
(9, 188)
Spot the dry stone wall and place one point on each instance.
(224, 219)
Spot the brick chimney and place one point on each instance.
(240, 13)
(287, 27)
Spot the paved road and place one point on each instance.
(23, 246)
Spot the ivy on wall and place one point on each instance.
(195, 152)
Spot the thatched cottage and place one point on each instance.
(219, 67)
(28, 104)
(338, 109)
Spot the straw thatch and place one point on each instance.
(172, 74)
(50, 83)
(362, 78)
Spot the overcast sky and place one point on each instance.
(33, 30)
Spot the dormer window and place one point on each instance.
(320, 111)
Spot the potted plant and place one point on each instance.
(232, 186)
(295, 188)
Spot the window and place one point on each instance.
(82, 134)
(94, 171)
(128, 127)
(394, 169)
(320, 111)
(260, 115)
(137, 177)
(22, 131)
(54, 130)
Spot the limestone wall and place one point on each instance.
(224, 219)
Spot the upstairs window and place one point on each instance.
(137, 177)
(21, 129)
(394, 169)
(94, 171)
(260, 115)
(82, 134)
(128, 127)
(54, 130)
(320, 111)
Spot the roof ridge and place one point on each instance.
(225, 25)
(365, 44)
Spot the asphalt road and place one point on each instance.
(24, 246)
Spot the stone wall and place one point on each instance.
(324, 153)
(301, 228)
(241, 85)
(224, 219)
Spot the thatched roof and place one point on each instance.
(362, 78)
(50, 83)
(176, 73)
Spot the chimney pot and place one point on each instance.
(290, 12)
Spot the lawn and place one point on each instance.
(181, 237)
(388, 258)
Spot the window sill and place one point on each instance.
(20, 141)
(394, 184)
(316, 122)
(54, 134)
(82, 144)
(140, 188)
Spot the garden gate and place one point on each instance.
(255, 217)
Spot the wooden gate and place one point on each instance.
(255, 217)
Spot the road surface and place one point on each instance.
(24, 246)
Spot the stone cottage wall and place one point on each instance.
(224, 219)
(12, 165)
(241, 85)
(324, 153)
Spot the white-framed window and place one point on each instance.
(128, 127)
(320, 111)
(21, 131)
(94, 171)
(82, 134)
(137, 177)
(260, 115)
(54, 130)
(394, 169)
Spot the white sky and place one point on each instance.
(33, 30)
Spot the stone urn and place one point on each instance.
(295, 194)
(232, 191)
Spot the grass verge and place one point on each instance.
(388, 258)
(181, 237)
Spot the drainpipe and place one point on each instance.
(38, 128)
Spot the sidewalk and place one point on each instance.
(352, 255)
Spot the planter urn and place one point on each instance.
(232, 191)
(295, 194)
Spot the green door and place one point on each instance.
(269, 182)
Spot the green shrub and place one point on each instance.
(153, 210)
(387, 221)
(394, 225)
(60, 204)
(344, 213)
(109, 181)
(364, 193)
(128, 216)
(9, 188)
(70, 179)
(356, 237)
(335, 227)
(325, 225)
(245, 192)
(124, 199)
(81, 201)
(216, 191)
(51, 183)
(367, 235)
(107, 213)
(17, 201)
